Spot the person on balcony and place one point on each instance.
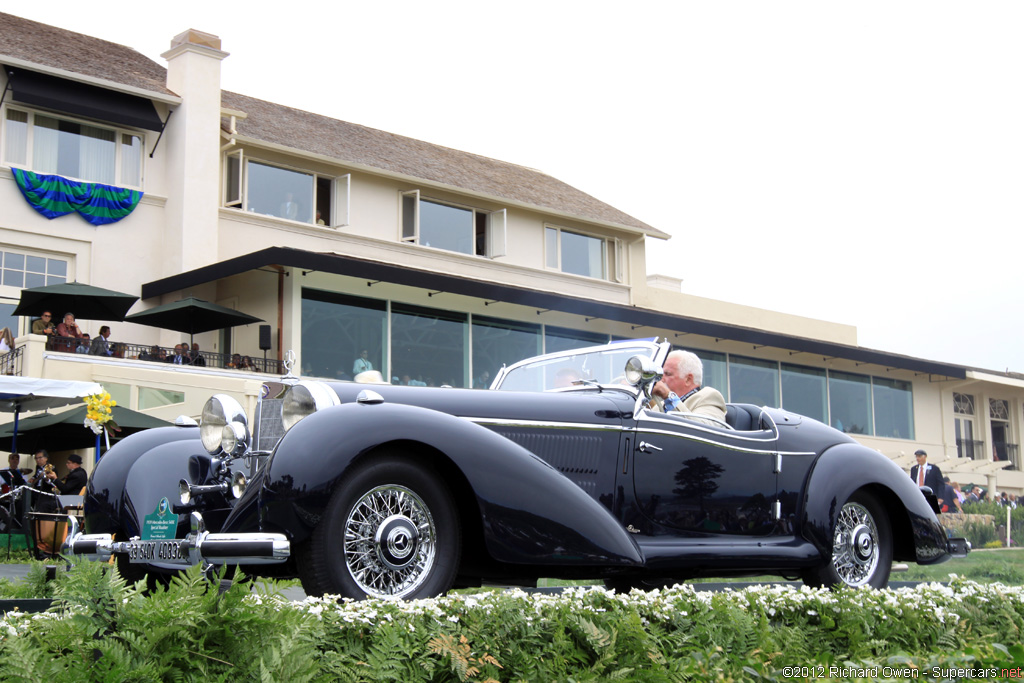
(71, 336)
(44, 325)
(100, 346)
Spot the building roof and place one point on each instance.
(30, 42)
(313, 133)
(63, 50)
(341, 264)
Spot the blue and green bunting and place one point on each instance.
(53, 196)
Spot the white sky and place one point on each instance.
(859, 162)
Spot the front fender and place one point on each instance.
(530, 512)
(106, 497)
(845, 468)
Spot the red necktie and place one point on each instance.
(920, 475)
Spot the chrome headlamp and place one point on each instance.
(303, 399)
(224, 427)
(640, 370)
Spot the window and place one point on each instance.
(270, 190)
(500, 342)
(151, 397)
(52, 145)
(804, 391)
(716, 369)
(579, 254)
(452, 228)
(563, 339)
(850, 402)
(25, 270)
(754, 381)
(429, 346)
(336, 329)
(894, 408)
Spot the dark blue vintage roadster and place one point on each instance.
(560, 470)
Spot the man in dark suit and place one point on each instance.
(76, 478)
(924, 474)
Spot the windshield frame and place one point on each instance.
(650, 348)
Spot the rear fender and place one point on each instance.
(530, 513)
(846, 468)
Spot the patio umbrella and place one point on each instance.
(29, 393)
(85, 301)
(67, 430)
(192, 316)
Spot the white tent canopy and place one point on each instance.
(31, 393)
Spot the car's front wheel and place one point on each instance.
(390, 530)
(861, 547)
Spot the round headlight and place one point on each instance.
(234, 438)
(303, 399)
(220, 410)
(640, 370)
(238, 483)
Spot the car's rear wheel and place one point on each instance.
(390, 530)
(861, 547)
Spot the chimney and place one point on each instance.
(193, 151)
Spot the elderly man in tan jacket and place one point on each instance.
(680, 389)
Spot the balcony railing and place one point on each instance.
(975, 450)
(1002, 450)
(11, 362)
(160, 354)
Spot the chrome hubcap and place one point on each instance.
(390, 541)
(855, 551)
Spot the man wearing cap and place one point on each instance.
(924, 474)
(76, 478)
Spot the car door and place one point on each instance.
(689, 477)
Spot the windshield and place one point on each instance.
(600, 364)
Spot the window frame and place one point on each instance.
(119, 133)
(492, 224)
(613, 253)
(338, 217)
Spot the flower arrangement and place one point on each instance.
(99, 414)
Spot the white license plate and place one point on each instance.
(175, 551)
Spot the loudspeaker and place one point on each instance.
(264, 337)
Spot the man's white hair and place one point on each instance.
(689, 364)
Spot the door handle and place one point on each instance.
(645, 447)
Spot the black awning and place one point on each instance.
(386, 272)
(60, 94)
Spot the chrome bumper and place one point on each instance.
(199, 546)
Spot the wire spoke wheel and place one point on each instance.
(861, 553)
(390, 541)
(855, 546)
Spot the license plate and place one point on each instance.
(175, 551)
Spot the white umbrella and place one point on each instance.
(32, 393)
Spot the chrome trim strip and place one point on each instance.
(540, 423)
(723, 444)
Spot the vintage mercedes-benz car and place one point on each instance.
(559, 470)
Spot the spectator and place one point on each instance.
(180, 356)
(72, 337)
(100, 346)
(6, 340)
(155, 354)
(362, 364)
(950, 502)
(195, 358)
(975, 495)
(44, 325)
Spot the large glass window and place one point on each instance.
(575, 253)
(280, 192)
(754, 381)
(52, 145)
(336, 329)
(894, 408)
(850, 402)
(500, 342)
(716, 370)
(453, 228)
(805, 391)
(562, 339)
(428, 346)
(26, 270)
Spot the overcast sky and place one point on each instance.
(856, 162)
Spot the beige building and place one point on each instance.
(440, 265)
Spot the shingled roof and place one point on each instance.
(33, 42)
(281, 125)
(57, 48)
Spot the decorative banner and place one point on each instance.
(54, 195)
